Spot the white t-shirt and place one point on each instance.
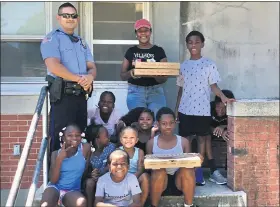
(113, 120)
(119, 194)
(196, 76)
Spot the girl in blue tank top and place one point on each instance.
(128, 139)
(68, 165)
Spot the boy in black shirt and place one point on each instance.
(219, 117)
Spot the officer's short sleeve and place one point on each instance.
(50, 47)
(89, 56)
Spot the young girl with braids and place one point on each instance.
(68, 165)
(98, 136)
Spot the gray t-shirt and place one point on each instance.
(119, 194)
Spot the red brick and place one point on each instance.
(274, 173)
(274, 188)
(7, 168)
(25, 117)
(39, 123)
(10, 140)
(18, 123)
(4, 134)
(5, 179)
(31, 162)
(36, 145)
(32, 156)
(25, 185)
(274, 202)
(9, 117)
(4, 157)
(18, 134)
(6, 185)
(6, 123)
(8, 128)
(9, 162)
(6, 151)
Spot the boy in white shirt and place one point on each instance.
(198, 77)
(118, 188)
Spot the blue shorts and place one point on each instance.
(151, 97)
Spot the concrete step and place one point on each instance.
(210, 195)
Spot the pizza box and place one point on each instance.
(161, 65)
(156, 72)
(187, 160)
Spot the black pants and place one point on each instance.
(70, 109)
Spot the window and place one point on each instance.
(113, 33)
(23, 26)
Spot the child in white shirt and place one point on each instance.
(118, 188)
(198, 77)
(106, 113)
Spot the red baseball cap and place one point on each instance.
(142, 23)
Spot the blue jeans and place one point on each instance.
(151, 97)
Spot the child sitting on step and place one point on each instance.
(98, 137)
(68, 165)
(170, 180)
(118, 188)
(129, 138)
(106, 114)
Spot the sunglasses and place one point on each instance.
(68, 16)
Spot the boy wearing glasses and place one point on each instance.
(71, 71)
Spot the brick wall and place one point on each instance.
(253, 159)
(14, 130)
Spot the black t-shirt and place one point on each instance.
(153, 54)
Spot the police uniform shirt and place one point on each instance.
(72, 51)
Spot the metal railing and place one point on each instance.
(42, 156)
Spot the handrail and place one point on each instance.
(26, 149)
(41, 156)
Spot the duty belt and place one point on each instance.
(73, 88)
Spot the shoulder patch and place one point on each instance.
(47, 39)
(83, 43)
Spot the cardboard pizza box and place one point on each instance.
(161, 65)
(155, 72)
(187, 160)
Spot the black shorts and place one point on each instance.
(194, 125)
(171, 189)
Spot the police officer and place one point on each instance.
(71, 72)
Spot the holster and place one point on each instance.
(55, 88)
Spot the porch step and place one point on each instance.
(210, 195)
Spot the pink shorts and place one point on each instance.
(61, 193)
